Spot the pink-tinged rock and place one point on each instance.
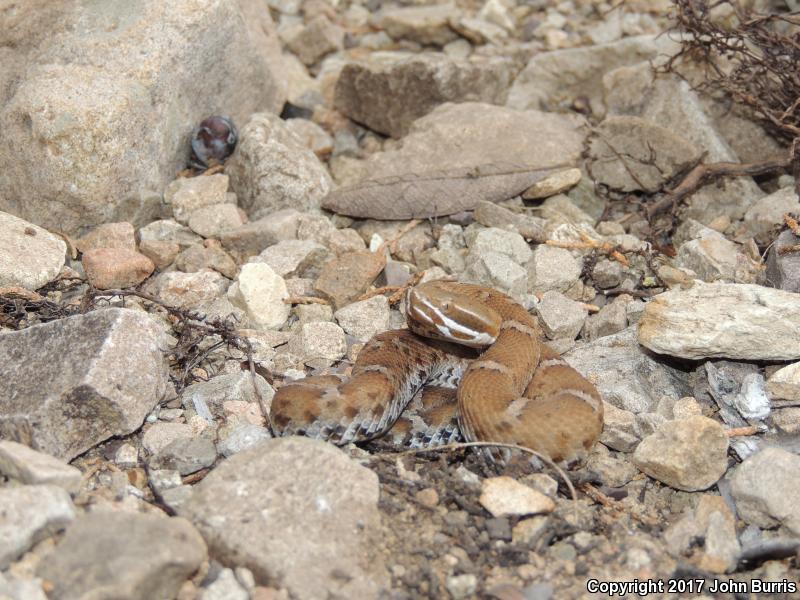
(111, 268)
(108, 235)
(161, 252)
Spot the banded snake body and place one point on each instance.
(516, 391)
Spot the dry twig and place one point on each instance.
(588, 243)
(305, 300)
(397, 291)
(462, 445)
(742, 431)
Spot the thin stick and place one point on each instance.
(789, 249)
(392, 243)
(792, 224)
(305, 300)
(740, 431)
(706, 173)
(614, 505)
(588, 243)
(450, 447)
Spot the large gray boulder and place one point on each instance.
(68, 385)
(102, 98)
(297, 512)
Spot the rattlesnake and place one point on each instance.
(516, 391)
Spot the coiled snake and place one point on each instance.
(516, 391)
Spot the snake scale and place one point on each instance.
(516, 390)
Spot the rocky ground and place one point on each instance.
(147, 319)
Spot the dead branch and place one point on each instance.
(193, 329)
(704, 174)
(750, 59)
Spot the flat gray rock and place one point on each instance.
(554, 78)
(688, 454)
(186, 455)
(23, 464)
(626, 374)
(392, 89)
(29, 514)
(299, 514)
(632, 154)
(480, 152)
(72, 383)
(125, 556)
(668, 100)
(723, 320)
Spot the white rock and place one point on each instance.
(784, 384)
(551, 185)
(241, 438)
(366, 318)
(690, 454)
(506, 497)
(211, 221)
(169, 230)
(225, 587)
(160, 435)
(619, 429)
(529, 530)
(319, 339)
(29, 255)
(767, 212)
(272, 169)
(187, 194)
(293, 257)
(766, 487)
(753, 401)
(738, 321)
(552, 268)
(21, 588)
(461, 586)
(126, 456)
(26, 465)
(505, 242)
(560, 317)
(713, 257)
(29, 514)
(496, 270)
(260, 292)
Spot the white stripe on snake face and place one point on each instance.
(449, 325)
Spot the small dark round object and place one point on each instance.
(214, 139)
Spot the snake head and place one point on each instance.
(438, 310)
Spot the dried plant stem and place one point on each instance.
(588, 243)
(305, 300)
(462, 445)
